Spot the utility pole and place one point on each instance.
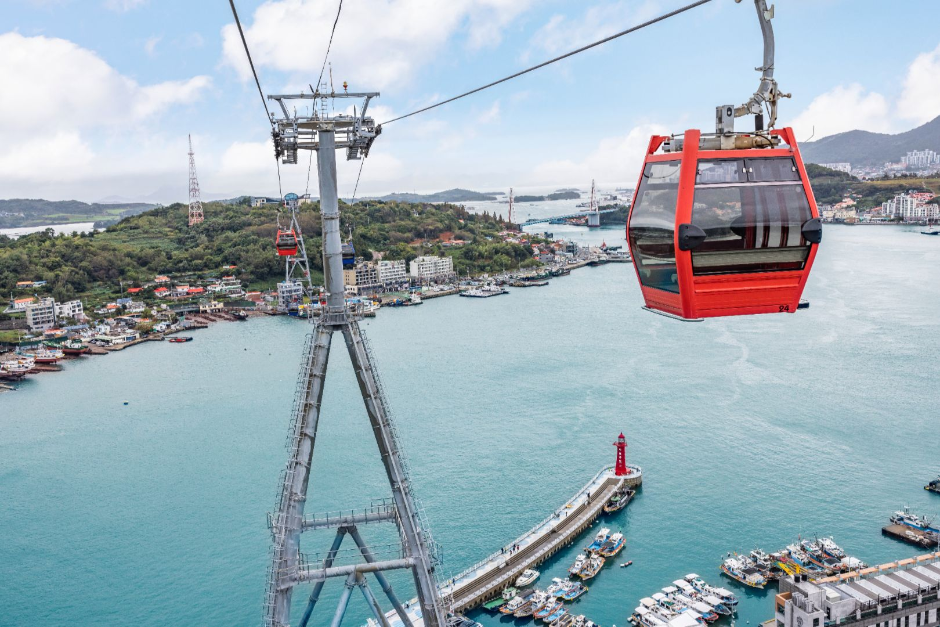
(195, 205)
(289, 568)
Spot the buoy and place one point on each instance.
(125, 402)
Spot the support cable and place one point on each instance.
(330, 44)
(250, 62)
(550, 61)
(355, 189)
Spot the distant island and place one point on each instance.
(450, 195)
(562, 195)
(863, 148)
(26, 212)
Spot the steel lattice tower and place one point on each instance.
(195, 205)
(289, 567)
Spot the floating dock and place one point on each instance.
(909, 534)
(488, 578)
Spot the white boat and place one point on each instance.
(528, 576)
(578, 564)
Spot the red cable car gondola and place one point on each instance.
(286, 243)
(726, 224)
(723, 232)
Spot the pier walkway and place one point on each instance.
(488, 578)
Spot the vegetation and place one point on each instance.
(450, 195)
(831, 186)
(562, 195)
(159, 241)
(23, 212)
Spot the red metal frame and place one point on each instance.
(728, 294)
(285, 252)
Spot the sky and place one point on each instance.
(97, 97)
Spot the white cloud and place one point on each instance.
(615, 161)
(123, 6)
(377, 43)
(72, 88)
(844, 109)
(920, 100)
(150, 46)
(490, 115)
(561, 33)
(62, 154)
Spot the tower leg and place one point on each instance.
(370, 599)
(327, 562)
(410, 525)
(344, 601)
(288, 520)
(383, 582)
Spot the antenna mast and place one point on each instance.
(195, 205)
(290, 568)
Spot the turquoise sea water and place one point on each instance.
(750, 431)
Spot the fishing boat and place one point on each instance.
(528, 576)
(179, 339)
(566, 620)
(613, 545)
(547, 609)
(574, 590)
(716, 604)
(817, 556)
(582, 621)
(14, 370)
(740, 572)
(933, 486)
(495, 604)
(643, 616)
(599, 540)
(618, 501)
(556, 615)
(830, 548)
(514, 604)
(533, 602)
(907, 518)
(578, 564)
(591, 567)
(486, 291)
(558, 586)
(45, 355)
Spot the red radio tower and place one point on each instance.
(195, 205)
(621, 468)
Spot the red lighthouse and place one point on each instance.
(621, 468)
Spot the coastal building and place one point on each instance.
(910, 206)
(366, 277)
(921, 159)
(41, 315)
(429, 269)
(289, 293)
(71, 309)
(20, 304)
(841, 167)
(899, 594)
(392, 272)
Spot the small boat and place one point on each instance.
(625, 564)
(573, 591)
(558, 586)
(485, 292)
(591, 567)
(599, 540)
(547, 609)
(74, 347)
(742, 573)
(495, 604)
(240, 315)
(578, 564)
(45, 356)
(931, 231)
(179, 339)
(514, 604)
(528, 576)
(530, 604)
(551, 618)
(933, 486)
(566, 620)
(618, 501)
(907, 518)
(613, 545)
(643, 616)
(716, 604)
(509, 593)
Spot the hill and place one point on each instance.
(450, 195)
(831, 186)
(17, 212)
(864, 148)
(159, 241)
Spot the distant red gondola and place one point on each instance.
(286, 243)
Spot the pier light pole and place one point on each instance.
(289, 567)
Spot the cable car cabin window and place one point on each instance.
(725, 171)
(778, 169)
(652, 225)
(750, 228)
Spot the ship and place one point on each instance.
(613, 545)
(45, 355)
(591, 567)
(74, 347)
(485, 292)
(738, 570)
(907, 518)
(618, 501)
(599, 540)
(934, 486)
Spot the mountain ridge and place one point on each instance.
(864, 148)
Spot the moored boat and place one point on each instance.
(737, 570)
(573, 591)
(933, 486)
(613, 545)
(180, 339)
(578, 564)
(45, 355)
(618, 501)
(74, 347)
(599, 540)
(548, 608)
(551, 618)
(512, 605)
(494, 604)
(528, 576)
(591, 567)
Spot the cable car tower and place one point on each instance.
(195, 204)
(289, 568)
(297, 282)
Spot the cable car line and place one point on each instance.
(362, 162)
(632, 29)
(250, 62)
(330, 44)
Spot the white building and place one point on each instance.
(71, 309)
(841, 167)
(41, 316)
(392, 272)
(432, 268)
(289, 293)
(921, 158)
(909, 208)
